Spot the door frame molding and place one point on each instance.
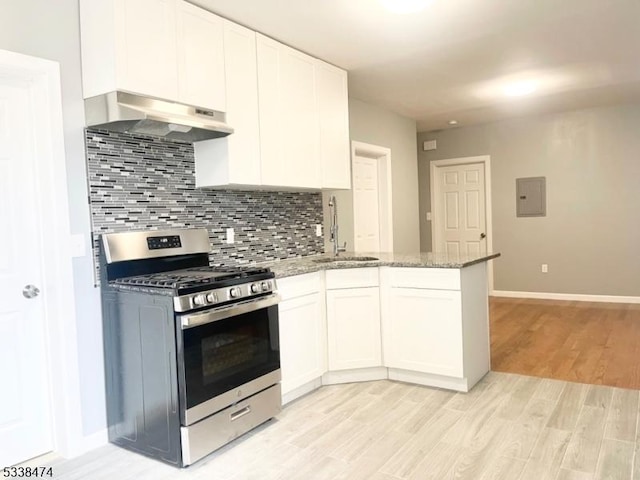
(385, 203)
(433, 187)
(43, 80)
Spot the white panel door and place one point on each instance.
(333, 105)
(25, 425)
(302, 341)
(366, 217)
(200, 51)
(423, 331)
(146, 52)
(353, 328)
(460, 210)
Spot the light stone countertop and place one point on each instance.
(309, 264)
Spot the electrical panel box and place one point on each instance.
(531, 197)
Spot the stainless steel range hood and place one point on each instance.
(127, 112)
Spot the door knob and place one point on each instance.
(30, 291)
(482, 235)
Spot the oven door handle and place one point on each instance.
(213, 315)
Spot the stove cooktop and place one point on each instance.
(197, 279)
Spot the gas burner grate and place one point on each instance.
(191, 278)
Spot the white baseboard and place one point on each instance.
(355, 375)
(298, 392)
(430, 380)
(577, 297)
(93, 441)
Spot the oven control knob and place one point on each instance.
(265, 286)
(211, 298)
(199, 300)
(255, 288)
(235, 292)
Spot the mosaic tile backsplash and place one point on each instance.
(139, 183)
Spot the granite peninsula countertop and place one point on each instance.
(315, 263)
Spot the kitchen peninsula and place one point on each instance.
(419, 318)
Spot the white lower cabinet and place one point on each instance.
(423, 331)
(353, 328)
(303, 331)
(427, 326)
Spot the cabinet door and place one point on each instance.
(333, 109)
(146, 47)
(268, 54)
(201, 77)
(299, 103)
(242, 104)
(302, 341)
(289, 129)
(353, 326)
(423, 331)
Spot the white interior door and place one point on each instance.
(25, 425)
(460, 224)
(366, 221)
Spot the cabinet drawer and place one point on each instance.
(352, 278)
(299, 285)
(432, 278)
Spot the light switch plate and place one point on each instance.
(429, 145)
(318, 230)
(231, 237)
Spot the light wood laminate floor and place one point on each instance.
(508, 427)
(595, 343)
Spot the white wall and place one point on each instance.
(374, 125)
(50, 30)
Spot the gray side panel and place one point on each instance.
(140, 362)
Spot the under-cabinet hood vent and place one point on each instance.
(130, 113)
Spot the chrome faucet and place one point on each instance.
(334, 227)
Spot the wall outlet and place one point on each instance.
(544, 268)
(428, 216)
(318, 230)
(231, 236)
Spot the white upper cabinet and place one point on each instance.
(333, 109)
(289, 120)
(201, 61)
(242, 103)
(163, 48)
(145, 39)
(288, 109)
(268, 54)
(235, 160)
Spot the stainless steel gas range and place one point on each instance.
(192, 354)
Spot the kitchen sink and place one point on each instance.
(346, 259)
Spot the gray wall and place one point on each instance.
(50, 30)
(377, 126)
(591, 234)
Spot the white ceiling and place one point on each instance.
(452, 59)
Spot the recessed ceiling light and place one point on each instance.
(452, 122)
(404, 6)
(519, 89)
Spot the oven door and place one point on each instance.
(226, 354)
